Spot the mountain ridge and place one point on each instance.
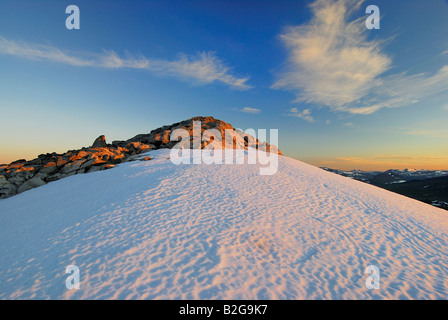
(22, 175)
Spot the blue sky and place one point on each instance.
(341, 95)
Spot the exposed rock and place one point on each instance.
(160, 137)
(100, 142)
(35, 182)
(118, 143)
(117, 158)
(95, 168)
(16, 165)
(3, 181)
(22, 175)
(89, 163)
(17, 179)
(7, 190)
(17, 162)
(61, 162)
(54, 177)
(50, 164)
(72, 166)
(49, 170)
(79, 155)
(35, 162)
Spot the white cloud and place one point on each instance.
(401, 90)
(332, 63)
(203, 68)
(250, 110)
(304, 114)
(40, 52)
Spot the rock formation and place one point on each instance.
(22, 175)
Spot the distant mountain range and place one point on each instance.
(429, 186)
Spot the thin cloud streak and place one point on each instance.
(203, 68)
(250, 110)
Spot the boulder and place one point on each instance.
(35, 182)
(81, 154)
(118, 158)
(89, 163)
(16, 165)
(54, 177)
(100, 142)
(61, 162)
(72, 166)
(7, 190)
(95, 168)
(3, 181)
(27, 172)
(17, 179)
(48, 170)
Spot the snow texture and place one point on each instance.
(154, 230)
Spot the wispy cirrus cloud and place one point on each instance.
(203, 68)
(331, 62)
(250, 110)
(41, 52)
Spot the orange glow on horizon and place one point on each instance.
(380, 163)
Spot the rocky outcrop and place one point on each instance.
(21, 175)
(160, 137)
(99, 142)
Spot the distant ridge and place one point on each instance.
(429, 186)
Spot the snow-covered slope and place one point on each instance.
(153, 230)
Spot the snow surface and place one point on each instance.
(153, 230)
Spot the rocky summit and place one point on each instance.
(22, 175)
